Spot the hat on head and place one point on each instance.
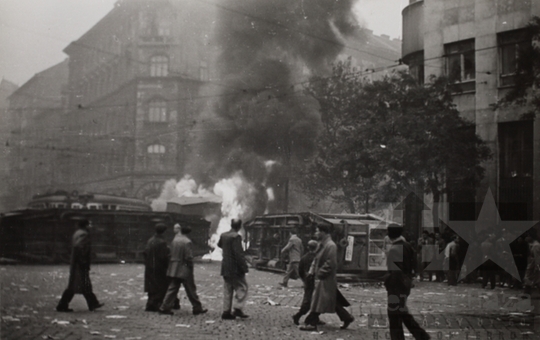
(312, 244)
(160, 228)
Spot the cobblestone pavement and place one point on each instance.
(29, 295)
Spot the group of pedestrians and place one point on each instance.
(166, 269)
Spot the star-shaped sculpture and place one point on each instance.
(489, 219)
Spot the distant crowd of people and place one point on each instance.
(445, 259)
(432, 258)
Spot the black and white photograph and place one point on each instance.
(270, 169)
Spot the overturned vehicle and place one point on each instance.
(359, 239)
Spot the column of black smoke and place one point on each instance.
(259, 114)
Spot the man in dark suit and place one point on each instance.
(180, 272)
(309, 281)
(398, 283)
(156, 262)
(79, 271)
(233, 269)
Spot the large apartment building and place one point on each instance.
(476, 43)
(121, 108)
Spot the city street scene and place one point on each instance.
(270, 169)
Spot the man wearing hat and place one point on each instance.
(294, 249)
(309, 281)
(79, 271)
(398, 282)
(156, 262)
(180, 271)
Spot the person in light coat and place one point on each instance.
(180, 272)
(295, 250)
(326, 296)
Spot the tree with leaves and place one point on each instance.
(383, 139)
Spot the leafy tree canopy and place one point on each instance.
(380, 139)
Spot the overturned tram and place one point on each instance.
(360, 240)
(120, 229)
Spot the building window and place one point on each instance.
(157, 111)
(416, 67)
(155, 156)
(516, 149)
(461, 65)
(511, 46)
(159, 66)
(203, 71)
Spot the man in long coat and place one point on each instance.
(294, 249)
(398, 283)
(156, 262)
(180, 272)
(233, 269)
(326, 296)
(79, 271)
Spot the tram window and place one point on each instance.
(280, 221)
(293, 220)
(76, 206)
(113, 207)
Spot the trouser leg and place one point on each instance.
(342, 313)
(228, 290)
(312, 319)
(170, 296)
(408, 320)
(240, 292)
(66, 298)
(306, 300)
(91, 299)
(191, 292)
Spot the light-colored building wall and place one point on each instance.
(429, 26)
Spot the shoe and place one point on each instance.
(151, 310)
(64, 310)
(296, 319)
(308, 328)
(347, 323)
(227, 316)
(201, 311)
(321, 323)
(283, 284)
(99, 305)
(165, 312)
(239, 314)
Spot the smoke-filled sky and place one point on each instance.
(33, 33)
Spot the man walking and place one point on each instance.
(156, 262)
(79, 271)
(233, 269)
(326, 297)
(180, 271)
(295, 250)
(308, 280)
(398, 283)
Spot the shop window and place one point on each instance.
(157, 111)
(511, 45)
(461, 65)
(159, 66)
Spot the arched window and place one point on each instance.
(159, 66)
(157, 111)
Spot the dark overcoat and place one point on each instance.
(181, 264)
(156, 261)
(79, 271)
(234, 261)
(401, 263)
(324, 268)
